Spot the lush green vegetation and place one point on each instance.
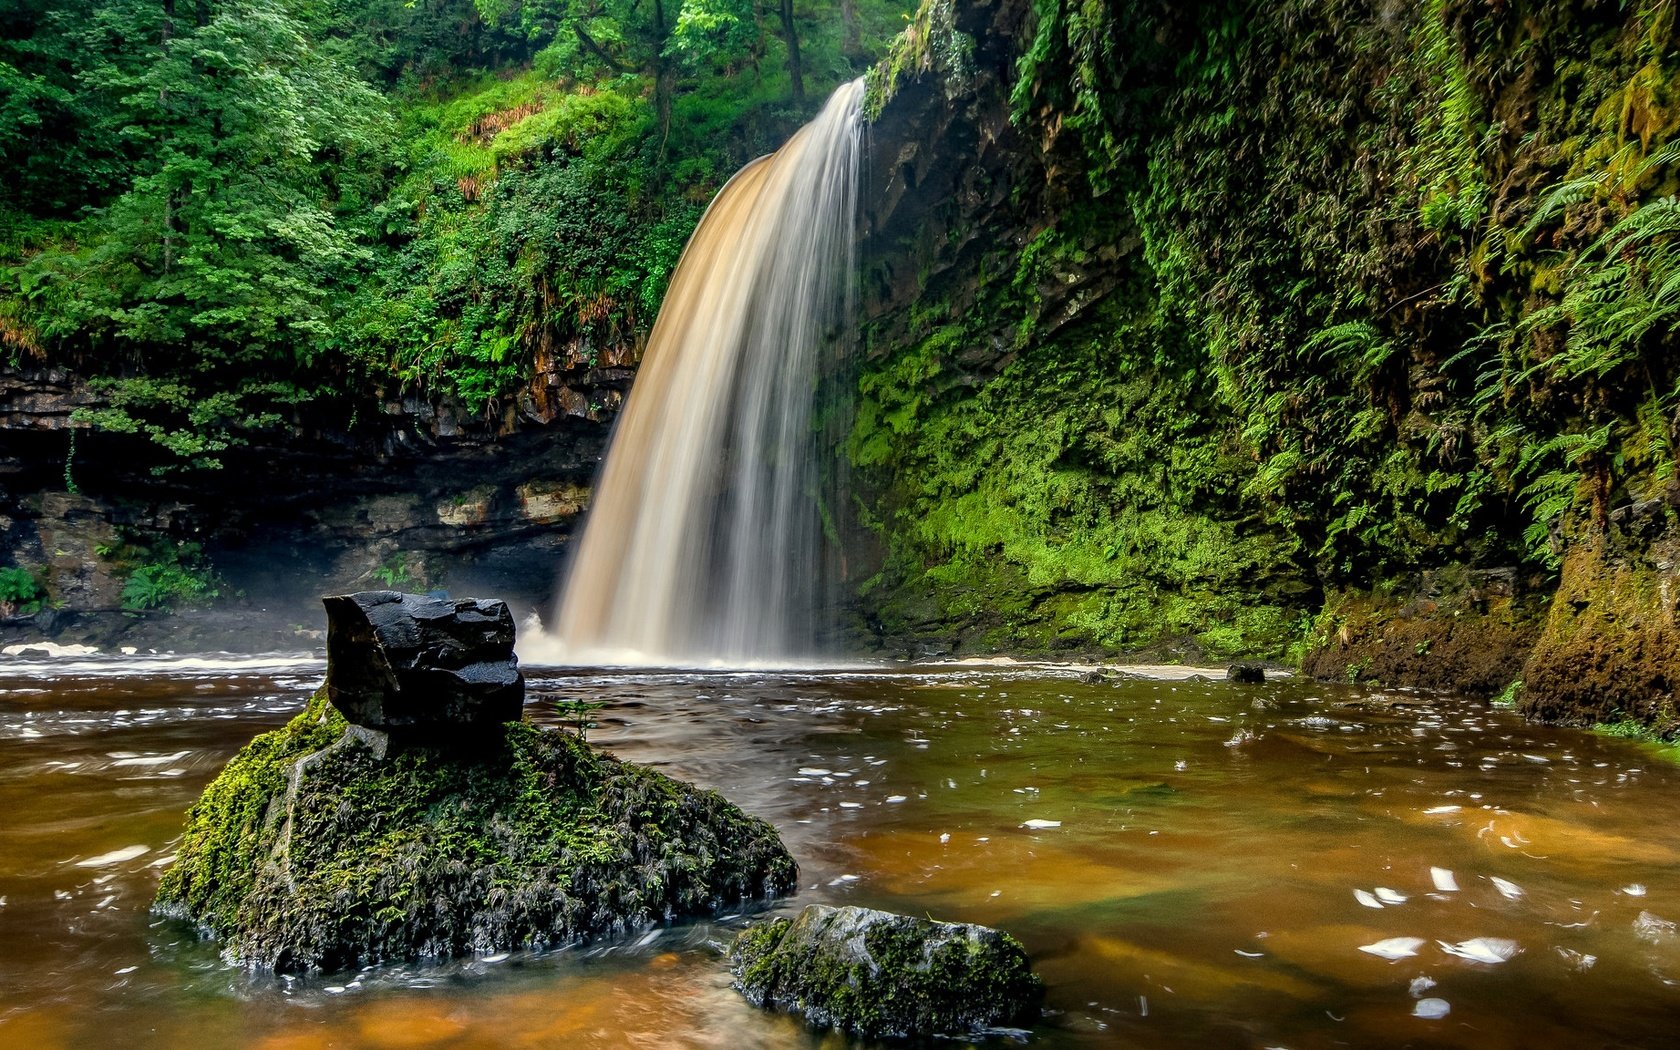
(1405, 298)
(1629, 729)
(1361, 291)
(20, 591)
(234, 212)
(181, 576)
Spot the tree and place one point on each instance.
(623, 36)
(728, 26)
(53, 156)
(257, 172)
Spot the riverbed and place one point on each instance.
(1189, 862)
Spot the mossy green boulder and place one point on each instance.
(322, 846)
(877, 974)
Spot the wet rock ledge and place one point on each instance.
(447, 830)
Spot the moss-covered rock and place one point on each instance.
(1463, 629)
(1610, 651)
(322, 847)
(879, 974)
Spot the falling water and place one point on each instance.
(705, 542)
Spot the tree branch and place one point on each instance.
(598, 51)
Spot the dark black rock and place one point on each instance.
(411, 662)
(1247, 674)
(878, 974)
(1093, 678)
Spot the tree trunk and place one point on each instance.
(664, 76)
(796, 67)
(851, 44)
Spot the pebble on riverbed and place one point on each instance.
(878, 974)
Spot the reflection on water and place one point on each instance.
(1190, 863)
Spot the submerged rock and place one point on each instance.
(407, 662)
(878, 974)
(324, 846)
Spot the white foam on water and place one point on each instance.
(1393, 948)
(116, 856)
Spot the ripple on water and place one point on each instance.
(1178, 858)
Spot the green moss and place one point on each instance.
(1076, 499)
(1423, 318)
(1663, 747)
(310, 852)
(223, 850)
(1610, 652)
(1509, 696)
(877, 974)
(930, 41)
(1454, 629)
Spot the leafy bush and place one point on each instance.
(262, 207)
(394, 573)
(20, 592)
(180, 576)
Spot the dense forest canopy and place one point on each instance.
(223, 209)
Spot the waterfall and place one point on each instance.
(704, 543)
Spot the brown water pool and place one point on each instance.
(1205, 866)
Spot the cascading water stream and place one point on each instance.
(704, 544)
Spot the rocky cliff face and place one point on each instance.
(955, 186)
(1037, 466)
(424, 497)
(1283, 329)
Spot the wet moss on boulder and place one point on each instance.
(877, 974)
(1610, 651)
(324, 846)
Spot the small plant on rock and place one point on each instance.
(175, 576)
(20, 592)
(580, 714)
(394, 573)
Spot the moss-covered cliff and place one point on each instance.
(1040, 450)
(1269, 328)
(1240, 306)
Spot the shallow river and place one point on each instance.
(1205, 865)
